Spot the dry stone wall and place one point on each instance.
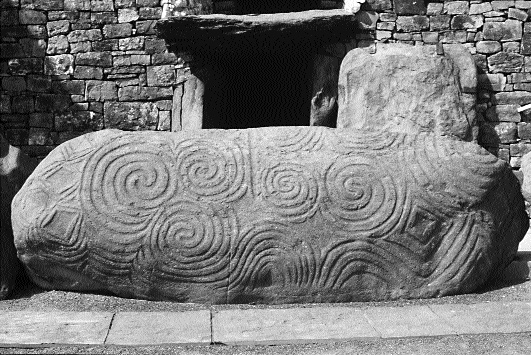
(72, 66)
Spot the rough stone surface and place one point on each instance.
(392, 87)
(272, 215)
(15, 167)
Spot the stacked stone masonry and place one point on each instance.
(68, 67)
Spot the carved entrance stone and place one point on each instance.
(273, 215)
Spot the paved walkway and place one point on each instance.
(260, 326)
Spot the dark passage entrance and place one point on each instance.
(265, 84)
(271, 88)
(273, 6)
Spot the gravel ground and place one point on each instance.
(506, 344)
(36, 299)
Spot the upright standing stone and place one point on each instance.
(408, 89)
(15, 167)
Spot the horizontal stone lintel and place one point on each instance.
(218, 32)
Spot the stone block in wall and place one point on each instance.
(511, 47)
(46, 5)
(120, 4)
(117, 30)
(52, 102)
(160, 75)
(39, 83)
(102, 5)
(164, 123)
(510, 30)
(72, 87)
(164, 58)
(62, 64)
(131, 115)
(154, 45)
(503, 113)
(84, 35)
(97, 59)
(478, 9)
(526, 39)
(5, 105)
(502, 4)
(456, 7)
(518, 14)
(35, 31)
(29, 17)
(439, 22)
(98, 90)
(127, 15)
(77, 5)
(41, 120)
(103, 18)
(520, 149)
(458, 36)
(430, 37)
(415, 23)
(131, 43)
(377, 5)
(488, 47)
(22, 104)
(14, 83)
(55, 28)
(147, 3)
(24, 66)
(11, 50)
(522, 4)
(136, 93)
(410, 7)
(80, 47)
(78, 121)
(10, 17)
(39, 136)
(512, 98)
(492, 82)
(87, 72)
(505, 62)
(524, 130)
(105, 45)
(57, 45)
(150, 13)
(466, 22)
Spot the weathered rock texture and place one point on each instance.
(207, 33)
(15, 167)
(286, 214)
(409, 89)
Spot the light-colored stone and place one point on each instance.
(277, 326)
(155, 328)
(51, 327)
(62, 64)
(495, 317)
(401, 322)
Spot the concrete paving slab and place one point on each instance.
(294, 325)
(410, 321)
(157, 328)
(40, 328)
(495, 317)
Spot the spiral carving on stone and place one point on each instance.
(211, 169)
(291, 189)
(362, 196)
(124, 182)
(296, 139)
(191, 241)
